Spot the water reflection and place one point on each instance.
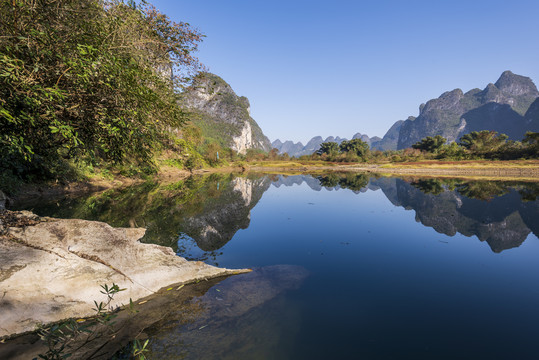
(493, 211)
(502, 213)
(215, 319)
(244, 317)
(200, 215)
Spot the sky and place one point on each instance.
(335, 68)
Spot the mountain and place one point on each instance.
(223, 116)
(501, 107)
(297, 149)
(531, 119)
(391, 138)
(287, 147)
(366, 138)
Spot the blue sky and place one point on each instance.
(340, 67)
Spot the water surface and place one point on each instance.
(346, 266)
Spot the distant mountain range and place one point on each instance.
(509, 106)
(298, 149)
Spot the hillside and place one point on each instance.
(501, 107)
(223, 116)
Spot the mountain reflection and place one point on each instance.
(502, 213)
(199, 215)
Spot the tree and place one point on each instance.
(90, 79)
(331, 148)
(430, 144)
(531, 140)
(482, 142)
(355, 146)
(273, 154)
(451, 151)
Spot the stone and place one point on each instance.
(54, 270)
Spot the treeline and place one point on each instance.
(475, 145)
(89, 81)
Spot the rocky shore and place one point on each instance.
(53, 269)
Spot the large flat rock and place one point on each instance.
(54, 270)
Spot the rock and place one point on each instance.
(224, 116)
(230, 311)
(500, 107)
(391, 138)
(53, 270)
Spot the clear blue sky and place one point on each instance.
(339, 67)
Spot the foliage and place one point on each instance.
(482, 142)
(451, 151)
(531, 140)
(72, 334)
(355, 146)
(430, 144)
(88, 78)
(331, 148)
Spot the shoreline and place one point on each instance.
(52, 269)
(527, 170)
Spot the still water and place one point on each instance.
(346, 266)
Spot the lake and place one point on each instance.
(346, 266)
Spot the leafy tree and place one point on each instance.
(430, 144)
(88, 78)
(273, 154)
(451, 151)
(481, 142)
(355, 146)
(531, 140)
(331, 148)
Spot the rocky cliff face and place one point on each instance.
(531, 119)
(500, 107)
(391, 138)
(224, 116)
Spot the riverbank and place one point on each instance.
(53, 269)
(524, 170)
(507, 170)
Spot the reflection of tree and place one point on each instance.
(530, 192)
(329, 181)
(504, 221)
(483, 190)
(352, 181)
(429, 186)
(209, 209)
(474, 189)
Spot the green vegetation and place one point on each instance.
(72, 335)
(478, 145)
(349, 150)
(430, 144)
(88, 80)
